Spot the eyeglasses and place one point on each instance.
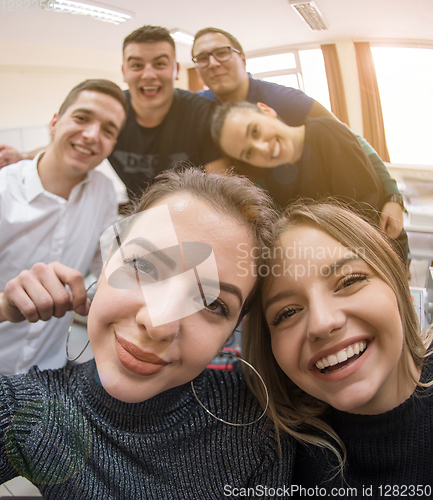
(221, 54)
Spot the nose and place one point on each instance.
(159, 333)
(262, 147)
(91, 131)
(325, 318)
(148, 72)
(213, 61)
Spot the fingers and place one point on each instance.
(74, 279)
(8, 155)
(393, 228)
(40, 293)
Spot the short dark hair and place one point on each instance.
(149, 34)
(96, 85)
(234, 41)
(221, 113)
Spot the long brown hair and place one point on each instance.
(292, 409)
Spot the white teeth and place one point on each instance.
(83, 150)
(149, 88)
(341, 356)
(276, 151)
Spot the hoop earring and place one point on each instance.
(69, 333)
(261, 380)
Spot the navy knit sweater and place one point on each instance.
(65, 433)
(388, 455)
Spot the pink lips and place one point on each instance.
(137, 360)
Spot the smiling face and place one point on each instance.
(227, 79)
(259, 138)
(150, 70)
(335, 325)
(139, 357)
(86, 133)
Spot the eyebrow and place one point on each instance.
(147, 245)
(344, 260)
(246, 135)
(140, 59)
(285, 294)
(91, 113)
(226, 287)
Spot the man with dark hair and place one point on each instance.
(164, 125)
(221, 63)
(52, 211)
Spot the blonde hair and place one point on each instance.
(292, 409)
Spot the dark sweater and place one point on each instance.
(391, 452)
(65, 433)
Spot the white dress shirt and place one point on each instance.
(38, 226)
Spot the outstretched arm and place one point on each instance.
(41, 293)
(9, 155)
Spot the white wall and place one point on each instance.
(32, 91)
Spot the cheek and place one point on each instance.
(286, 352)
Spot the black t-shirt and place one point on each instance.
(142, 153)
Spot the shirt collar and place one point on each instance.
(32, 182)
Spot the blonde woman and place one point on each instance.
(336, 336)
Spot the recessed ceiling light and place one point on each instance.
(180, 36)
(309, 13)
(93, 10)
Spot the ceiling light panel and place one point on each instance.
(94, 10)
(309, 13)
(180, 36)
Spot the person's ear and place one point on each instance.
(53, 123)
(176, 71)
(267, 109)
(244, 60)
(122, 68)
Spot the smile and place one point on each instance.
(150, 91)
(276, 150)
(342, 358)
(82, 150)
(136, 360)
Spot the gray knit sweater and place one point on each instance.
(65, 433)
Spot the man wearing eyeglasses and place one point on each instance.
(164, 125)
(221, 63)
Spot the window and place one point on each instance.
(405, 79)
(303, 69)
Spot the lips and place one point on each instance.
(150, 91)
(341, 358)
(276, 150)
(83, 150)
(137, 360)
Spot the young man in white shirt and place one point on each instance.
(52, 211)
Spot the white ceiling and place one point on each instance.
(258, 24)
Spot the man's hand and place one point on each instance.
(391, 219)
(9, 155)
(40, 294)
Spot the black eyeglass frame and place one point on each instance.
(208, 54)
